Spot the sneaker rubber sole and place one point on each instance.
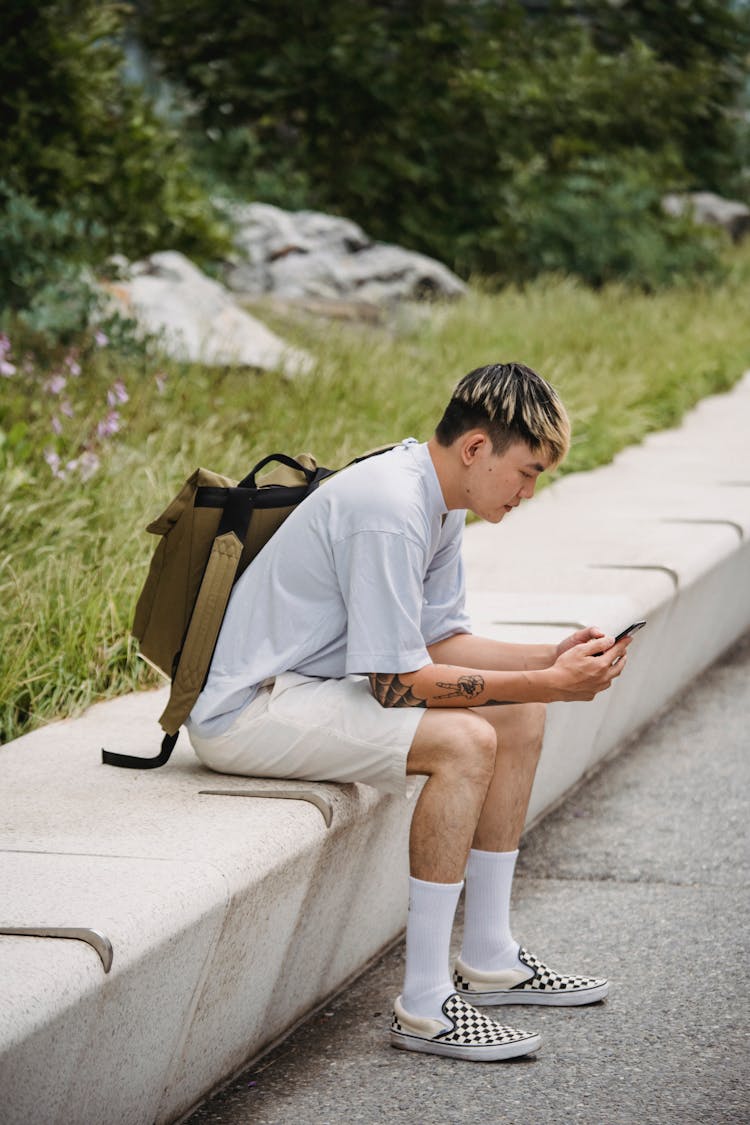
(494, 1052)
(557, 998)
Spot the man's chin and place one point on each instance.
(494, 516)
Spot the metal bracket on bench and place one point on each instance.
(719, 523)
(95, 938)
(668, 570)
(320, 802)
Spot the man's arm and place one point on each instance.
(466, 649)
(579, 673)
(470, 651)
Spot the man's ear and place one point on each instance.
(472, 444)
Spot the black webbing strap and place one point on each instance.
(237, 511)
(283, 459)
(130, 762)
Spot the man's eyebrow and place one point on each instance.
(536, 466)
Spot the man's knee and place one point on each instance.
(519, 726)
(456, 743)
(529, 731)
(536, 717)
(475, 751)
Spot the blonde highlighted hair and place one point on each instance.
(510, 402)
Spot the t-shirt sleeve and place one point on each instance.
(380, 575)
(443, 610)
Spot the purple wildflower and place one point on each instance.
(117, 393)
(56, 384)
(53, 460)
(7, 369)
(66, 408)
(72, 364)
(109, 425)
(101, 339)
(88, 464)
(56, 425)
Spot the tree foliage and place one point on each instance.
(503, 138)
(446, 125)
(75, 138)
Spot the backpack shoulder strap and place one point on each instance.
(205, 622)
(200, 641)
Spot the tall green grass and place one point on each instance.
(73, 553)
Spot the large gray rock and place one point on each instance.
(710, 209)
(307, 254)
(197, 319)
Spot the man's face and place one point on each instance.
(494, 484)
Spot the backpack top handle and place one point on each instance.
(283, 459)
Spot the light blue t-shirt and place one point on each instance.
(360, 578)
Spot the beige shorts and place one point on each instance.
(316, 730)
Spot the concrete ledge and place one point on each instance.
(231, 917)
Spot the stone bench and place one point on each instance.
(229, 917)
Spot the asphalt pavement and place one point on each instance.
(642, 876)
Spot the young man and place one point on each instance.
(346, 655)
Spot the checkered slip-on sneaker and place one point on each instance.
(515, 986)
(471, 1035)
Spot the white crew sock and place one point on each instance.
(427, 982)
(488, 944)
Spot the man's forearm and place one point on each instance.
(468, 650)
(583, 669)
(446, 685)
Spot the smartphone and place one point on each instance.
(631, 629)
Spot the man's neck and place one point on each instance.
(443, 465)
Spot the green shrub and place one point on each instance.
(42, 266)
(421, 121)
(73, 135)
(703, 47)
(234, 163)
(603, 221)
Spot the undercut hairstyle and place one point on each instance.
(510, 403)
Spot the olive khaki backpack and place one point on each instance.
(210, 533)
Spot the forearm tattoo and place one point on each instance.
(391, 691)
(466, 687)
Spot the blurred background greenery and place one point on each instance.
(503, 138)
(528, 146)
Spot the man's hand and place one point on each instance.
(587, 667)
(578, 638)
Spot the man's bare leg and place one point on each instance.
(480, 767)
(519, 729)
(491, 968)
(456, 749)
(488, 943)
